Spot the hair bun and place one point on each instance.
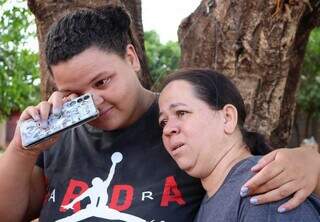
(256, 143)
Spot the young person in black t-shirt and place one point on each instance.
(202, 115)
(114, 168)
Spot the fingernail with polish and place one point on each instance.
(244, 191)
(44, 124)
(256, 167)
(282, 209)
(56, 110)
(254, 200)
(36, 118)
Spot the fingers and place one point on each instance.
(277, 181)
(69, 97)
(274, 195)
(281, 193)
(57, 99)
(290, 171)
(298, 198)
(39, 113)
(262, 177)
(44, 108)
(30, 112)
(54, 105)
(264, 161)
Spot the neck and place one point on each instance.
(146, 98)
(235, 153)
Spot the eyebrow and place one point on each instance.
(172, 106)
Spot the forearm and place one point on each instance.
(15, 177)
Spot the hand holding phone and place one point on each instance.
(73, 113)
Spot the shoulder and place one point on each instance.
(237, 176)
(241, 172)
(307, 211)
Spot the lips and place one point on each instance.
(176, 146)
(106, 111)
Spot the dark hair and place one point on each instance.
(107, 28)
(217, 90)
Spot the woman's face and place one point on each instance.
(192, 131)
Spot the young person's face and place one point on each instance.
(192, 131)
(110, 78)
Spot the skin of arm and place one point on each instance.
(22, 186)
(22, 183)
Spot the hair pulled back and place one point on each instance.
(217, 91)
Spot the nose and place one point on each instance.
(170, 128)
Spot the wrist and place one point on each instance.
(19, 151)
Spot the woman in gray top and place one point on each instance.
(202, 114)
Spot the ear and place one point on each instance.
(230, 115)
(132, 58)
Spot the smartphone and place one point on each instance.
(74, 113)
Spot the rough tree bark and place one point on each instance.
(262, 51)
(48, 11)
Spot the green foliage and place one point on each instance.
(309, 92)
(162, 58)
(19, 69)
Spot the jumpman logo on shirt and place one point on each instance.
(98, 195)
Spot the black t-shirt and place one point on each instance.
(123, 175)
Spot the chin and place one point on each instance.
(193, 173)
(187, 167)
(190, 168)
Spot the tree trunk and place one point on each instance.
(48, 11)
(262, 51)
